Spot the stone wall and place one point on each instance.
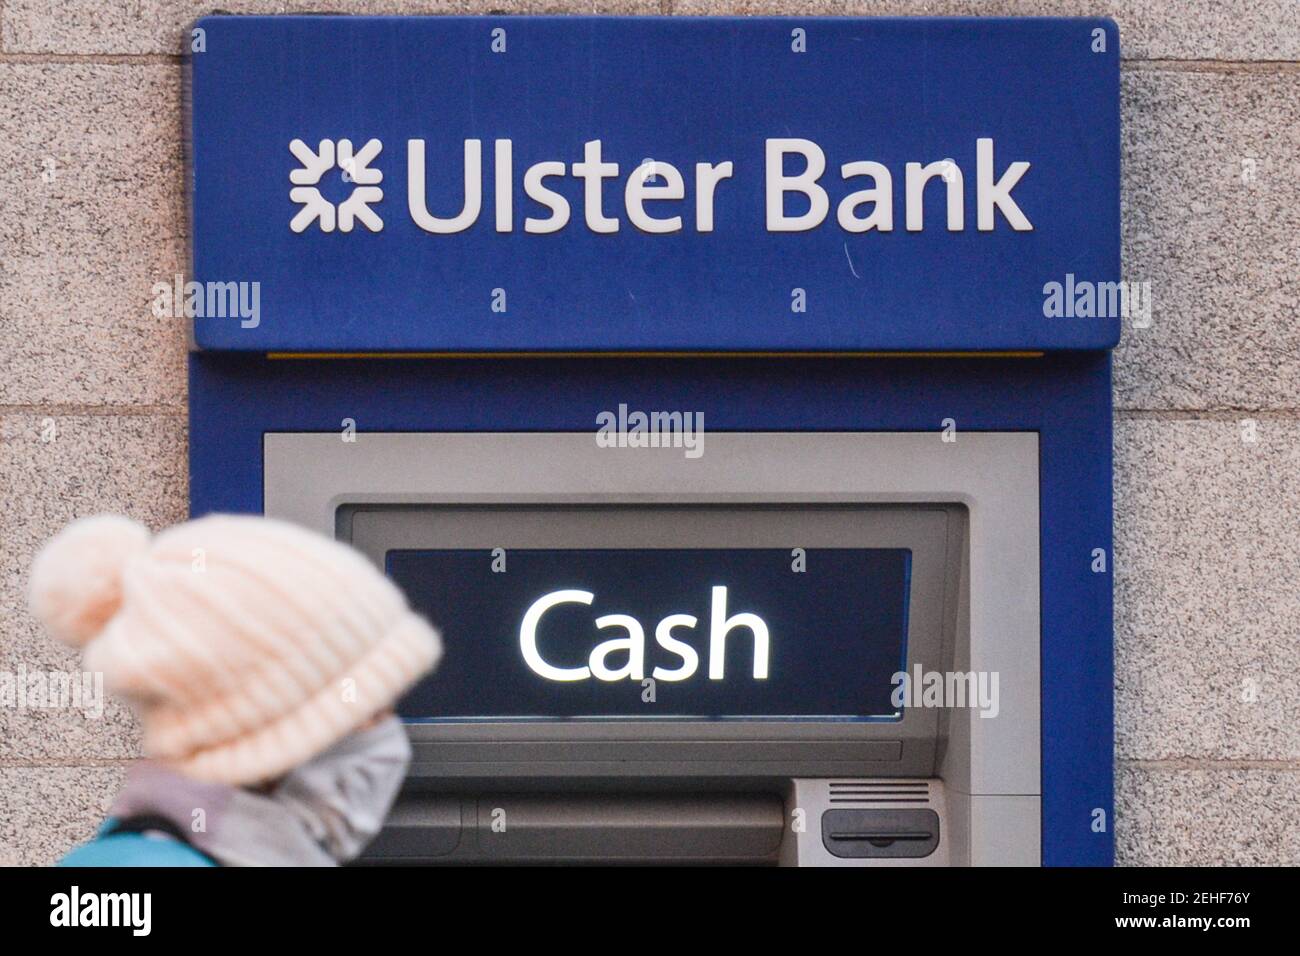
(92, 386)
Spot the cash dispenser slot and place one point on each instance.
(578, 828)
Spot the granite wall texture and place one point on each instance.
(1207, 443)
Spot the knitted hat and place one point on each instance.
(246, 645)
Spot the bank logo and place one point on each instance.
(355, 167)
(649, 181)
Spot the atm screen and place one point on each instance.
(603, 633)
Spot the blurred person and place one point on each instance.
(263, 661)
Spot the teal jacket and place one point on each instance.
(134, 849)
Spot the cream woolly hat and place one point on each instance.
(246, 645)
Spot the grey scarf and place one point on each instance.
(321, 814)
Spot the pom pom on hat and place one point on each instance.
(75, 586)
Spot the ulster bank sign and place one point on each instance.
(650, 180)
(677, 185)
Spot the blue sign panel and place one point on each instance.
(607, 184)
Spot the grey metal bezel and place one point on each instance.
(993, 476)
(925, 530)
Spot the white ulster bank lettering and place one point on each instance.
(657, 182)
(989, 194)
(639, 189)
(633, 644)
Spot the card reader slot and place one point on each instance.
(886, 833)
(885, 836)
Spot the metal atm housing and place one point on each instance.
(933, 788)
(431, 374)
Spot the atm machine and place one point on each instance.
(754, 462)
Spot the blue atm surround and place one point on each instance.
(1059, 385)
(1065, 398)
